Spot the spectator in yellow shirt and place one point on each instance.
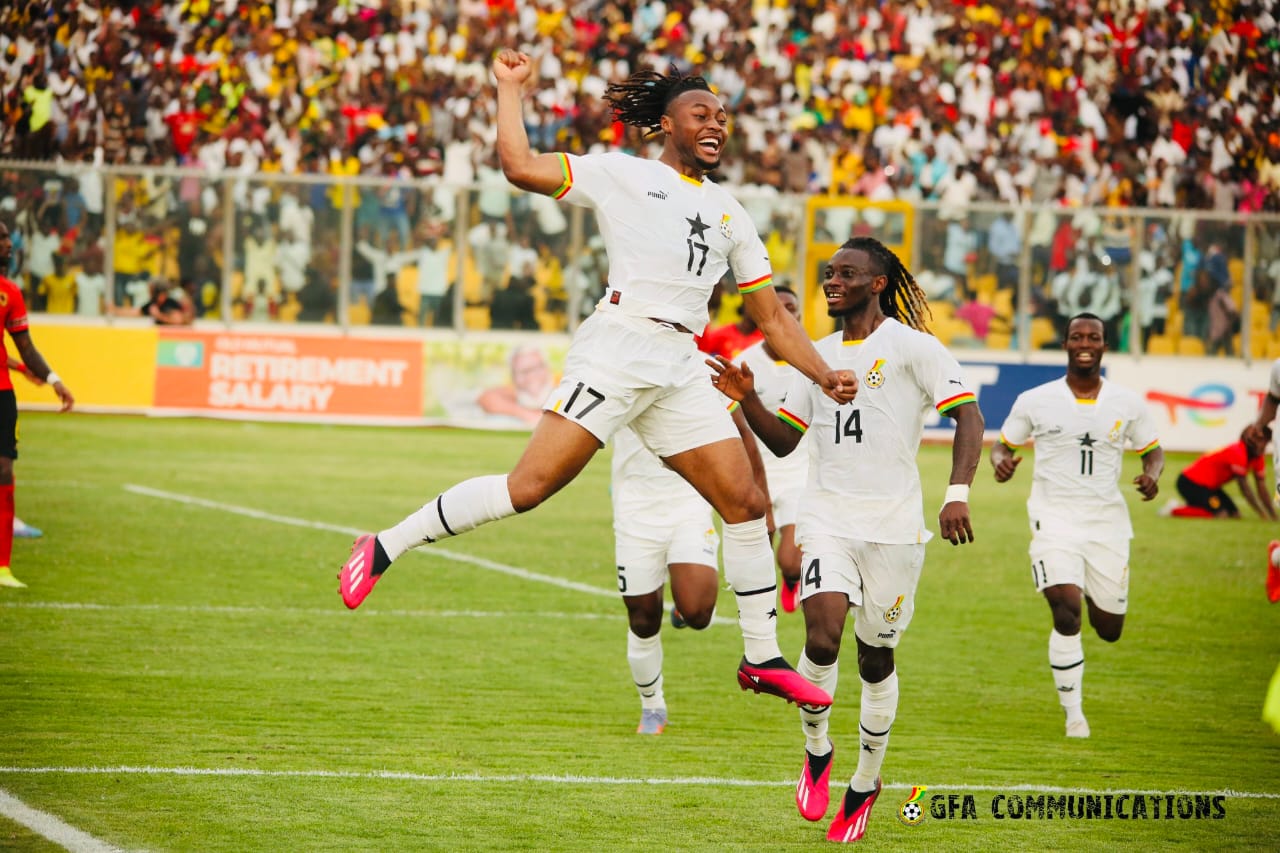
(57, 290)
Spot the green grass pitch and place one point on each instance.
(181, 675)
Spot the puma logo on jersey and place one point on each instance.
(658, 194)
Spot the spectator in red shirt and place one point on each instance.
(732, 338)
(1201, 483)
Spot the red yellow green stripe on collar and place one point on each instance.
(791, 420)
(568, 177)
(958, 400)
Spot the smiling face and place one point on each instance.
(6, 248)
(1085, 343)
(852, 282)
(696, 126)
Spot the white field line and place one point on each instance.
(48, 826)
(568, 779)
(434, 550)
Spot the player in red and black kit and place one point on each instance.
(13, 315)
(1201, 483)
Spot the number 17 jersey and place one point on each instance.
(864, 482)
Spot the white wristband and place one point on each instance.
(52, 378)
(956, 492)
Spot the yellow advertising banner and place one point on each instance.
(105, 368)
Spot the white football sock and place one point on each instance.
(1066, 659)
(814, 721)
(464, 507)
(879, 707)
(748, 567)
(644, 655)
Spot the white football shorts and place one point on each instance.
(643, 549)
(880, 581)
(622, 369)
(1100, 569)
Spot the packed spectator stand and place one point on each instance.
(333, 161)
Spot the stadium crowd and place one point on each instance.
(1113, 104)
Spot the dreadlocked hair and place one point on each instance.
(642, 98)
(902, 299)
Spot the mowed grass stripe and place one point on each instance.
(437, 551)
(570, 779)
(46, 825)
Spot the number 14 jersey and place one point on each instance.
(864, 482)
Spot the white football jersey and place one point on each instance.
(669, 238)
(1079, 451)
(1273, 386)
(863, 479)
(773, 379)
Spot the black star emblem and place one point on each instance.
(773, 614)
(1087, 441)
(696, 226)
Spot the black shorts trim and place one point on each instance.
(1203, 497)
(8, 424)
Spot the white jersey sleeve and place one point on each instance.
(1273, 386)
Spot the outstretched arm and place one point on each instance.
(738, 383)
(789, 341)
(966, 450)
(539, 173)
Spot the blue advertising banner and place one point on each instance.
(997, 385)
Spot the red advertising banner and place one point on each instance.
(288, 376)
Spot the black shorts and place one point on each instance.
(1214, 500)
(8, 424)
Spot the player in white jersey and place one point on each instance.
(663, 530)
(1080, 527)
(786, 474)
(861, 523)
(670, 234)
(1257, 432)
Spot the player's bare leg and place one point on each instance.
(721, 472)
(693, 588)
(1066, 654)
(557, 452)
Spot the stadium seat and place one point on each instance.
(999, 340)
(1002, 301)
(1042, 332)
(1160, 345)
(1190, 345)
